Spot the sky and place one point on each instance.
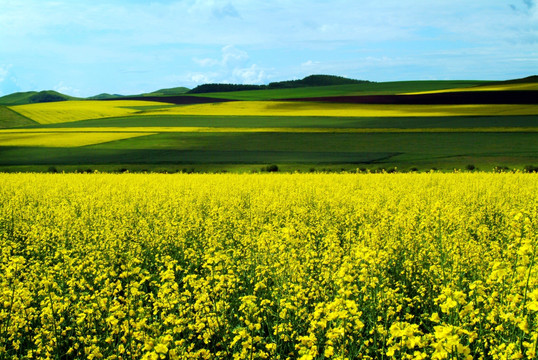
(83, 48)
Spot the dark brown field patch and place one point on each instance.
(449, 98)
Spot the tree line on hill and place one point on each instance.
(312, 80)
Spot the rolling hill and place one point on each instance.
(309, 81)
(32, 97)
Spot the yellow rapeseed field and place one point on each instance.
(496, 87)
(295, 108)
(296, 266)
(66, 111)
(63, 139)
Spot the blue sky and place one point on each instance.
(83, 47)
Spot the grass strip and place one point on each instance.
(203, 129)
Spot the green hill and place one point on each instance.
(168, 92)
(161, 92)
(364, 88)
(31, 97)
(525, 80)
(105, 96)
(309, 81)
(315, 80)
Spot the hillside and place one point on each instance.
(32, 97)
(315, 80)
(312, 80)
(525, 80)
(11, 119)
(168, 92)
(105, 96)
(364, 88)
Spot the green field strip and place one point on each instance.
(10, 119)
(417, 144)
(63, 139)
(90, 156)
(190, 129)
(302, 122)
(69, 111)
(312, 148)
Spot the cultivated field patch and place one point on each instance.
(497, 87)
(66, 111)
(63, 139)
(297, 108)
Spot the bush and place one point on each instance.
(470, 167)
(499, 169)
(270, 168)
(530, 169)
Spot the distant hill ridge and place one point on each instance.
(525, 80)
(166, 92)
(31, 97)
(312, 80)
(105, 96)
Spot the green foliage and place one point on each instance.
(315, 80)
(270, 168)
(47, 96)
(312, 80)
(530, 168)
(470, 167)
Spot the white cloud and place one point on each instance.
(250, 75)
(207, 62)
(45, 39)
(61, 87)
(309, 63)
(199, 78)
(4, 71)
(230, 56)
(231, 67)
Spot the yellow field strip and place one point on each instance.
(62, 138)
(139, 131)
(499, 87)
(293, 108)
(67, 111)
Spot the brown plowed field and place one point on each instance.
(449, 98)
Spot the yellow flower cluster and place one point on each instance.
(290, 266)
